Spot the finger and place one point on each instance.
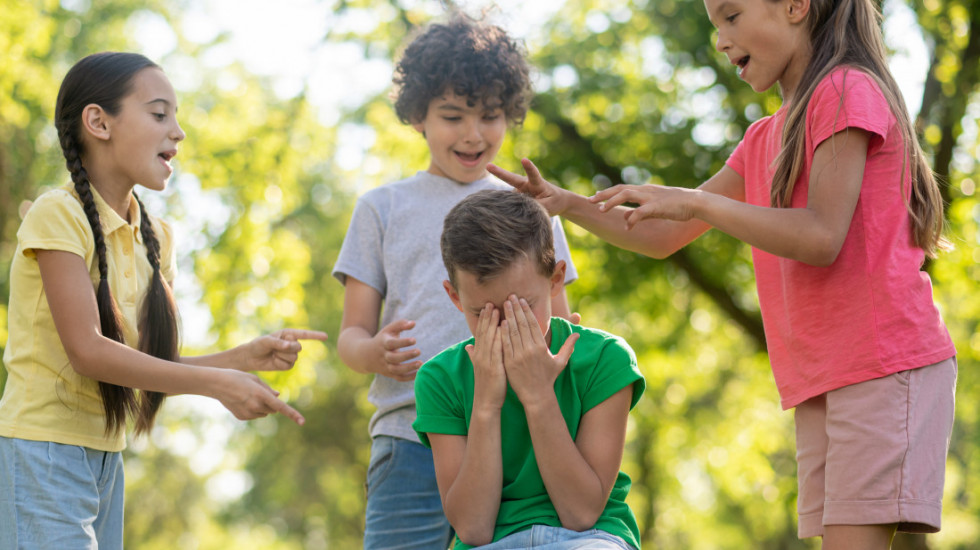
(565, 353)
(513, 330)
(497, 351)
(605, 194)
(396, 358)
(531, 323)
(283, 408)
(284, 361)
(302, 334)
(507, 176)
(506, 345)
(396, 327)
(575, 318)
(624, 195)
(392, 344)
(533, 174)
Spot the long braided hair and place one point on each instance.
(847, 32)
(104, 79)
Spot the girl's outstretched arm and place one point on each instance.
(813, 234)
(73, 306)
(276, 351)
(655, 238)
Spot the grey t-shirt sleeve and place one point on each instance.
(361, 254)
(561, 249)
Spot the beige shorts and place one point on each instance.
(874, 453)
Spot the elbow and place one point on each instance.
(83, 357)
(822, 250)
(581, 520)
(474, 535)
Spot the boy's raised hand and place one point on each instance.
(396, 361)
(278, 350)
(530, 366)
(548, 195)
(486, 354)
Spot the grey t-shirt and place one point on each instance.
(392, 245)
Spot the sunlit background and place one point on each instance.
(288, 119)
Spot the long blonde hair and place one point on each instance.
(848, 32)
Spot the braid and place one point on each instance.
(118, 401)
(158, 328)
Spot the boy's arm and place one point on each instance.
(579, 475)
(364, 348)
(469, 469)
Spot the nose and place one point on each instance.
(177, 133)
(471, 130)
(722, 43)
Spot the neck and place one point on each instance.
(114, 191)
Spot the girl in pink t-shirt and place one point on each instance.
(836, 198)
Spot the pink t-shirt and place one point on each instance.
(870, 313)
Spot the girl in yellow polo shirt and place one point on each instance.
(93, 340)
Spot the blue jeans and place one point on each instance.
(543, 537)
(404, 510)
(55, 496)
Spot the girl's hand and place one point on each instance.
(548, 195)
(530, 367)
(248, 397)
(396, 362)
(279, 350)
(490, 379)
(655, 201)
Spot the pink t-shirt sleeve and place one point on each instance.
(829, 113)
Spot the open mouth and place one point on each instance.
(468, 157)
(742, 63)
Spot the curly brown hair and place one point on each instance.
(468, 57)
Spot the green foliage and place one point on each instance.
(628, 91)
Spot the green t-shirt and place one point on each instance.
(600, 366)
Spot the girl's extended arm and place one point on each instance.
(73, 307)
(469, 469)
(813, 234)
(276, 351)
(658, 239)
(668, 218)
(364, 348)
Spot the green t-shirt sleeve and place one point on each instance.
(438, 406)
(615, 369)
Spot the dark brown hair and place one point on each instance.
(104, 79)
(469, 58)
(488, 231)
(848, 32)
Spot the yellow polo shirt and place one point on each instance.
(45, 399)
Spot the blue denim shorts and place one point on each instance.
(543, 537)
(404, 509)
(59, 496)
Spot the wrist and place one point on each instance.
(536, 404)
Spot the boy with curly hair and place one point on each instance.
(526, 419)
(459, 85)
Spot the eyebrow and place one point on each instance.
(719, 9)
(159, 100)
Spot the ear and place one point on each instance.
(797, 10)
(453, 295)
(419, 127)
(558, 278)
(95, 122)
